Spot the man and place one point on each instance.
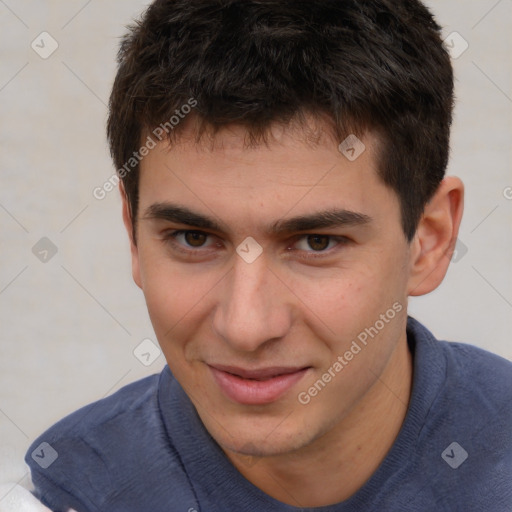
(282, 168)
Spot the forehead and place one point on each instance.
(240, 182)
(287, 147)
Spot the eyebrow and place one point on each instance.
(331, 218)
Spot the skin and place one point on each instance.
(212, 307)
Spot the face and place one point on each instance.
(275, 278)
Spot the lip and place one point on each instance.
(256, 387)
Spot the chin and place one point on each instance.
(265, 438)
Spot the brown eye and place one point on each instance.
(195, 238)
(318, 242)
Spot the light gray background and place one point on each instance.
(68, 327)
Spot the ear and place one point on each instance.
(435, 238)
(128, 223)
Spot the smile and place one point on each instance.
(256, 387)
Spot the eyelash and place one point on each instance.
(171, 236)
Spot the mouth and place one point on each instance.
(256, 387)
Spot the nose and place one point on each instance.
(254, 306)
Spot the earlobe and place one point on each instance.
(434, 242)
(128, 223)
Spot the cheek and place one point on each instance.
(365, 318)
(166, 290)
(342, 296)
(178, 297)
(342, 304)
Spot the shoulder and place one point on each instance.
(111, 447)
(135, 401)
(483, 374)
(477, 393)
(466, 367)
(463, 445)
(476, 411)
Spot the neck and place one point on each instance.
(336, 465)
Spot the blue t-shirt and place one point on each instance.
(144, 448)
